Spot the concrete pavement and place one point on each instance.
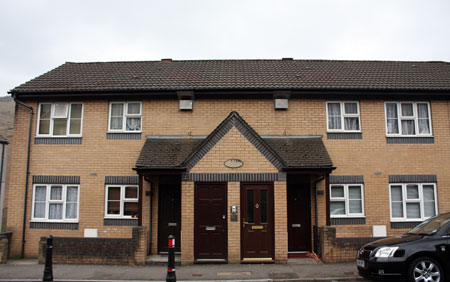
(295, 270)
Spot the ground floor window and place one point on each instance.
(122, 201)
(346, 200)
(55, 202)
(413, 201)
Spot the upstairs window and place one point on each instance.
(413, 201)
(60, 119)
(408, 119)
(122, 201)
(343, 117)
(125, 117)
(55, 203)
(346, 200)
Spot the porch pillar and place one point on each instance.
(187, 222)
(234, 227)
(281, 227)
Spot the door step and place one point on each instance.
(303, 258)
(162, 259)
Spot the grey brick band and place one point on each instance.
(348, 221)
(122, 180)
(412, 178)
(410, 140)
(346, 179)
(49, 179)
(123, 136)
(54, 225)
(57, 140)
(120, 222)
(343, 136)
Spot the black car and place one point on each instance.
(421, 255)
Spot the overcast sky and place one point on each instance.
(39, 35)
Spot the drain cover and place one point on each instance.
(234, 273)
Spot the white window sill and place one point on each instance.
(347, 216)
(124, 132)
(410, 136)
(54, 221)
(409, 220)
(119, 217)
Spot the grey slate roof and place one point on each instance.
(241, 74)
(295, 152)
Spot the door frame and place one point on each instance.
(271, 196)
(225, 185)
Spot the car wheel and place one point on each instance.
(425, 270)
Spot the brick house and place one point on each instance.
(242, 160)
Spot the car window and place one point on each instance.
(432, 225)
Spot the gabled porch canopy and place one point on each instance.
(288, 153)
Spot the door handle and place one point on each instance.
(244, 223)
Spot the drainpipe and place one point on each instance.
(2, 187)
(316, 210)
(27, 174)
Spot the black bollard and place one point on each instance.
(171, 277)
(48, 270)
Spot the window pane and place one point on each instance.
(355, 206)
(75, 126)
(407, 110)
(44, 127)
(133, 124)
(60, 111)
(72, 194)
(408, 127)
(351, 123)
(412, 210)
(412, 192)
(397, 209)
(55, 211)
(337, 208)
(428, 192)
(113, 207)
(116, 123)
(134, 108)
(351, 108)
(250, 207)
(71, 210)
(396, 193)
(424, 126)
(429, 209)
(354, 192)
(114, 193)
(130, 209)
(117, 110)
(264, 206)
(39, 210)
(40, 193)
(59, 126)
(337, 191)
(131, 192)
(392, 125)
(75, 111)
(334, 116)
(56, 193)
(45, 111)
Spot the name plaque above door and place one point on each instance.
(233, 163)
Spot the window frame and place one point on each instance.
(52, 119)
(123, 200)
(346, 200)
(415, 118)
(343, 116)
(405, 201)
(124, 117)
(48, 201)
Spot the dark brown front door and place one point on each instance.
(169, 212)
(210, 221)
(299, 216)
(257, 222)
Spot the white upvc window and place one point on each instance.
(121, 201)
(412, 201)
(346, 200)
(60, 120)
(55, 203)
(343, 116)
(408, 119)
(125, 117)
